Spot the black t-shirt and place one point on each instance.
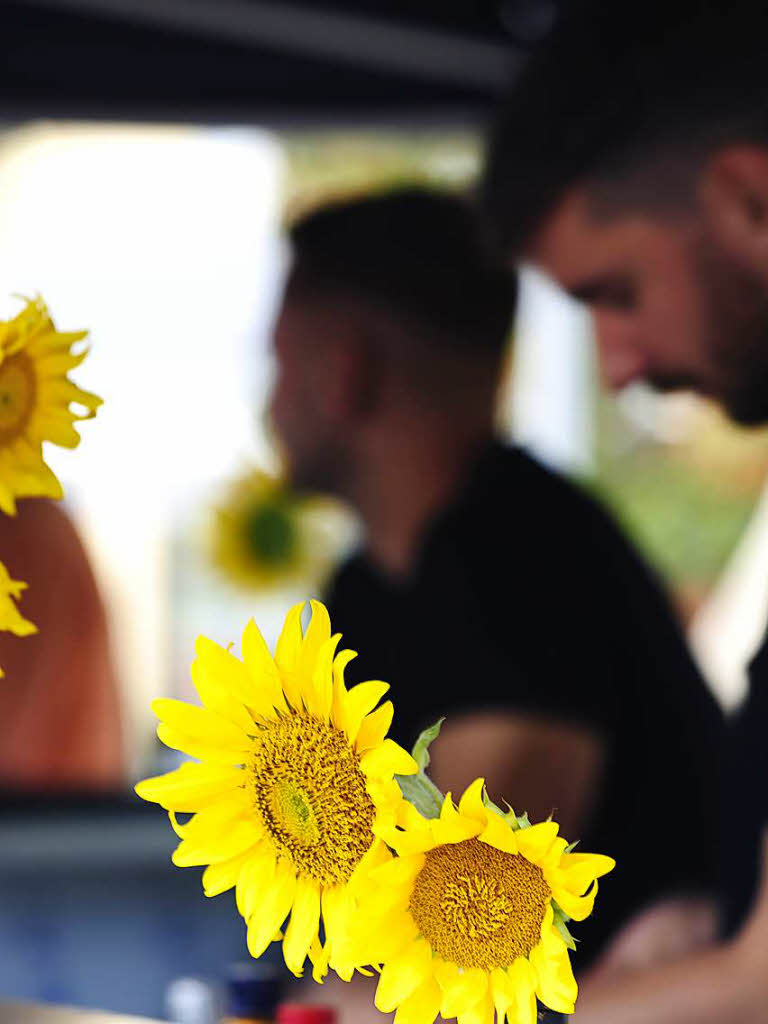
(526, 597)
(745, 815)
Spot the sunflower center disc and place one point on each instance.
(308, 788)
(478, 906)
(270, 533)
(293, 812)
(17, 396)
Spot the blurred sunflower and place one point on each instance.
(35, 399)
(296, 778)
(11, 619)
(264, 534)
(470, 917)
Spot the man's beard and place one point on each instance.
(736, 341)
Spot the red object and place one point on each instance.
(305, 1013)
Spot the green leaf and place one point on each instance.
(421, 791)
(420, 752)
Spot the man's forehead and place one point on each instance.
(575, 246)
(565, 241)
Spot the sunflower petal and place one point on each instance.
(338, 712)
(199, 748)
(421, 1006)
(191, 786)
(481, 1012)
(255, 880)
(577, 871)
(219, 699)
(200, 849)
(502, 993)
(451, 826)
(197, 722)
(375, 727)
(360, 701)
(321, 691)
(388, 759)
(471, 804)
(318, 633)
(556, 986)
(462, 991)
(403, 974)
(303, 926)
(218, 878)
(577, 907)
(261, 667)
(289, 642)
(498, 833)
(273, 909)
(523, 980)
(534, 842)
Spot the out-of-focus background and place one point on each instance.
(149, 155)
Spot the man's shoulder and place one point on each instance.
(539, 505)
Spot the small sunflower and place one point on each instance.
(35, 400)
(11, 619)
(296, 777)
(264, 534)
(470, 917)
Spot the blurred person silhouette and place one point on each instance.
(60, 728)
(639, 181)
(488, 589)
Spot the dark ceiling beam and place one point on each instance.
(379, 44)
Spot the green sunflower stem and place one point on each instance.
(419, 789)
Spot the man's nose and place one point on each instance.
(621, 357)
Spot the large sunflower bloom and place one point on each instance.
(264, 534)
(296, 776)
(469, 918)
(35, 400)
(11, 619)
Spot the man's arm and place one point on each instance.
(713, 987)
(725, 985)
(538, 765)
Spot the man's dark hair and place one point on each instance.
(629, 101)
(416, 253)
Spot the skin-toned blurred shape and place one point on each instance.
(60, 727)
(639, 180)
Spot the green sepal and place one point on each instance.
(427, 737)
(419, 789)
(560, 922)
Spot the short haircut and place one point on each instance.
(629, 100)
(415, 253)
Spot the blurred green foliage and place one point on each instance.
(685, 501)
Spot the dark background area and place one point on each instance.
(252, 60)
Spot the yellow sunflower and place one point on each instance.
(470, 918)
(35, 400)
(11, 619)
(264, 534)
(296, 776)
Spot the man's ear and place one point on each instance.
(734, 195)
